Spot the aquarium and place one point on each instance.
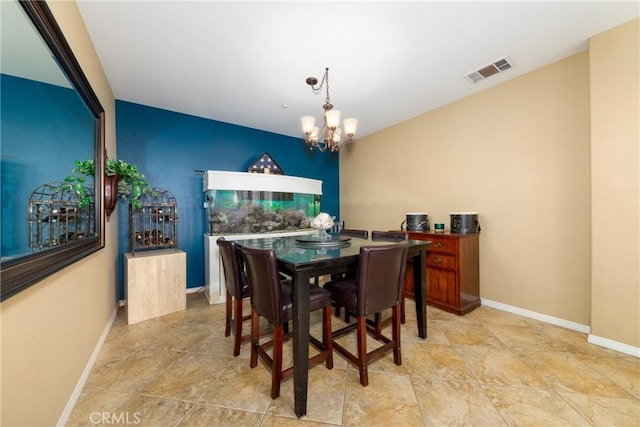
(249, 212)
(248, 203)
(241, 205)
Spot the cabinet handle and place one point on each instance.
(438, 260)
(437, 244)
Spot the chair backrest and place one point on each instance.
(337, 227)
(363, 234)
(380, 277)
(264, 283)
(389, 235)
(233, 266)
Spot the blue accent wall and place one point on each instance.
(168, 147)
(45, 128)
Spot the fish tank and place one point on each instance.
(255, 203)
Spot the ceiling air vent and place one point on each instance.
(487, 71)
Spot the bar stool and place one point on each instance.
(361, 234)
(271, 298)
(392, 236)
(377, 288)
(237, 291)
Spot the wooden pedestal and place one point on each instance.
(156, 284)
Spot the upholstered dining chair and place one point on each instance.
(271, 299)
(237, 291)
(393, 236)
(377, 288)
(362, 234)
(337, 226)
(389, 235)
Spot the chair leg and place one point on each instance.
(362, 350)
(378, 324)
(238, 327)
(227, 323)
(395, 334)
(255, 338)
(326, 336)
(276, 369)
(403, 318)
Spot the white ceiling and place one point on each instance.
(240, 62)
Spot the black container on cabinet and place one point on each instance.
(154, 225)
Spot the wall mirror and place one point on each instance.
(50, 118)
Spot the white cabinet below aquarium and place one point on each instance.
(214, 288)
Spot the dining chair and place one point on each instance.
(389, 235)
(237, 291)
(337, 227)
(377, 235)
(362, 234)
(378, 287)
(271, 299)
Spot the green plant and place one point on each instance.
(131, 183)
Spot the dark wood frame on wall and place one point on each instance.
(19, 274)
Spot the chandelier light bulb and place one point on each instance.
(333, 119)
(308, 123)
(350, 126)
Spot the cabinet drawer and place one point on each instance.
(438, 260)
(444, 245)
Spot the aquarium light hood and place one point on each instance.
(243, 181)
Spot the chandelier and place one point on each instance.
(331, 136)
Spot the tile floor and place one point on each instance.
(488, 368)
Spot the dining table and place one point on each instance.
(304, 258)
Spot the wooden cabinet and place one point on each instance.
(452, 271)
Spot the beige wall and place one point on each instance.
(520, 154)
(50, 330)
(517, 153)
(615, 180)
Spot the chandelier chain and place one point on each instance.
(326, 79)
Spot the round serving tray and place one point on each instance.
(312, 240)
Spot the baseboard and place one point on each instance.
(592, 339)
(195, 290)
(85, 374)
(614, 345)
(537, 316)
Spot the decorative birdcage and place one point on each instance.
(55, 217)
(154, 225)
